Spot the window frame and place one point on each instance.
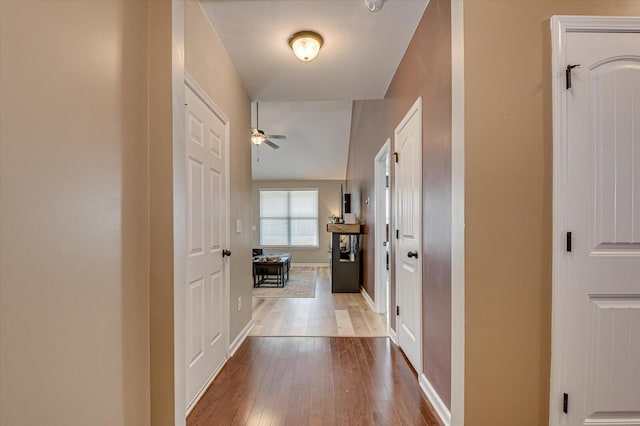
(290, 218)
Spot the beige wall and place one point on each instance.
(208, 63)
(425, 71)
(74, 310)
(328, 204)
(508, 204)
(167, 368)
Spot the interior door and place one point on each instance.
(600, 327)
(408, 198)
(206, 240)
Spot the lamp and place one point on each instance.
(306, 45)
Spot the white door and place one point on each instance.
(408, 198)
(597, 297)
(206, 200)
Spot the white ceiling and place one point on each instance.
(361, 51)
(317, 145)
(311, 102)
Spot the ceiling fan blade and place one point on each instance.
(277, 136)
(271, 144)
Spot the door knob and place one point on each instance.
(413, 254)
(226, 252)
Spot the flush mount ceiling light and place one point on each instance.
(374, 5)
(306, 45)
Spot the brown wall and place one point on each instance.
(328, 203)
(425, 71)
(208, 63)
(74, 288)
(508, 204)
(371, 126)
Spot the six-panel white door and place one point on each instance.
(600, 324)
(408, 199)
(206, 239)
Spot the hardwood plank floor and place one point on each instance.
(315, 381)
(328, 314)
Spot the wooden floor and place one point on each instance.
(328, 314)
(315, 381)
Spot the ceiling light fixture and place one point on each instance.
(257, 136)
(374, 5)
(306, 45)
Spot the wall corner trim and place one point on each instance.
(443, 412)
(366, 296)
(233, 347)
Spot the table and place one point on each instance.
(271, 272)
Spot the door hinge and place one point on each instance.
(397, 310)
(568, 74)
(569, 246)
(396, 156)
(397, 234)
(565, 403)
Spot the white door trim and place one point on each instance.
(202, 94)
(457, 214)
(381, 286)
(179, 219)
(416, 108)
(560, 25)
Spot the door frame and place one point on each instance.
(560, 25)
(190, 82)
(416, 108)
(381, 303)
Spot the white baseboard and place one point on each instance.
(368, 299)
(435, 400)
(233, 347)
(393, 336)
(312, 265)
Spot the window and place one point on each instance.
(289, 218)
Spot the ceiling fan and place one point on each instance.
(258, 137)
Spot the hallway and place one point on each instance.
(315, 381)
(343, 371)
(327, 314)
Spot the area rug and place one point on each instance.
(301, 284)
